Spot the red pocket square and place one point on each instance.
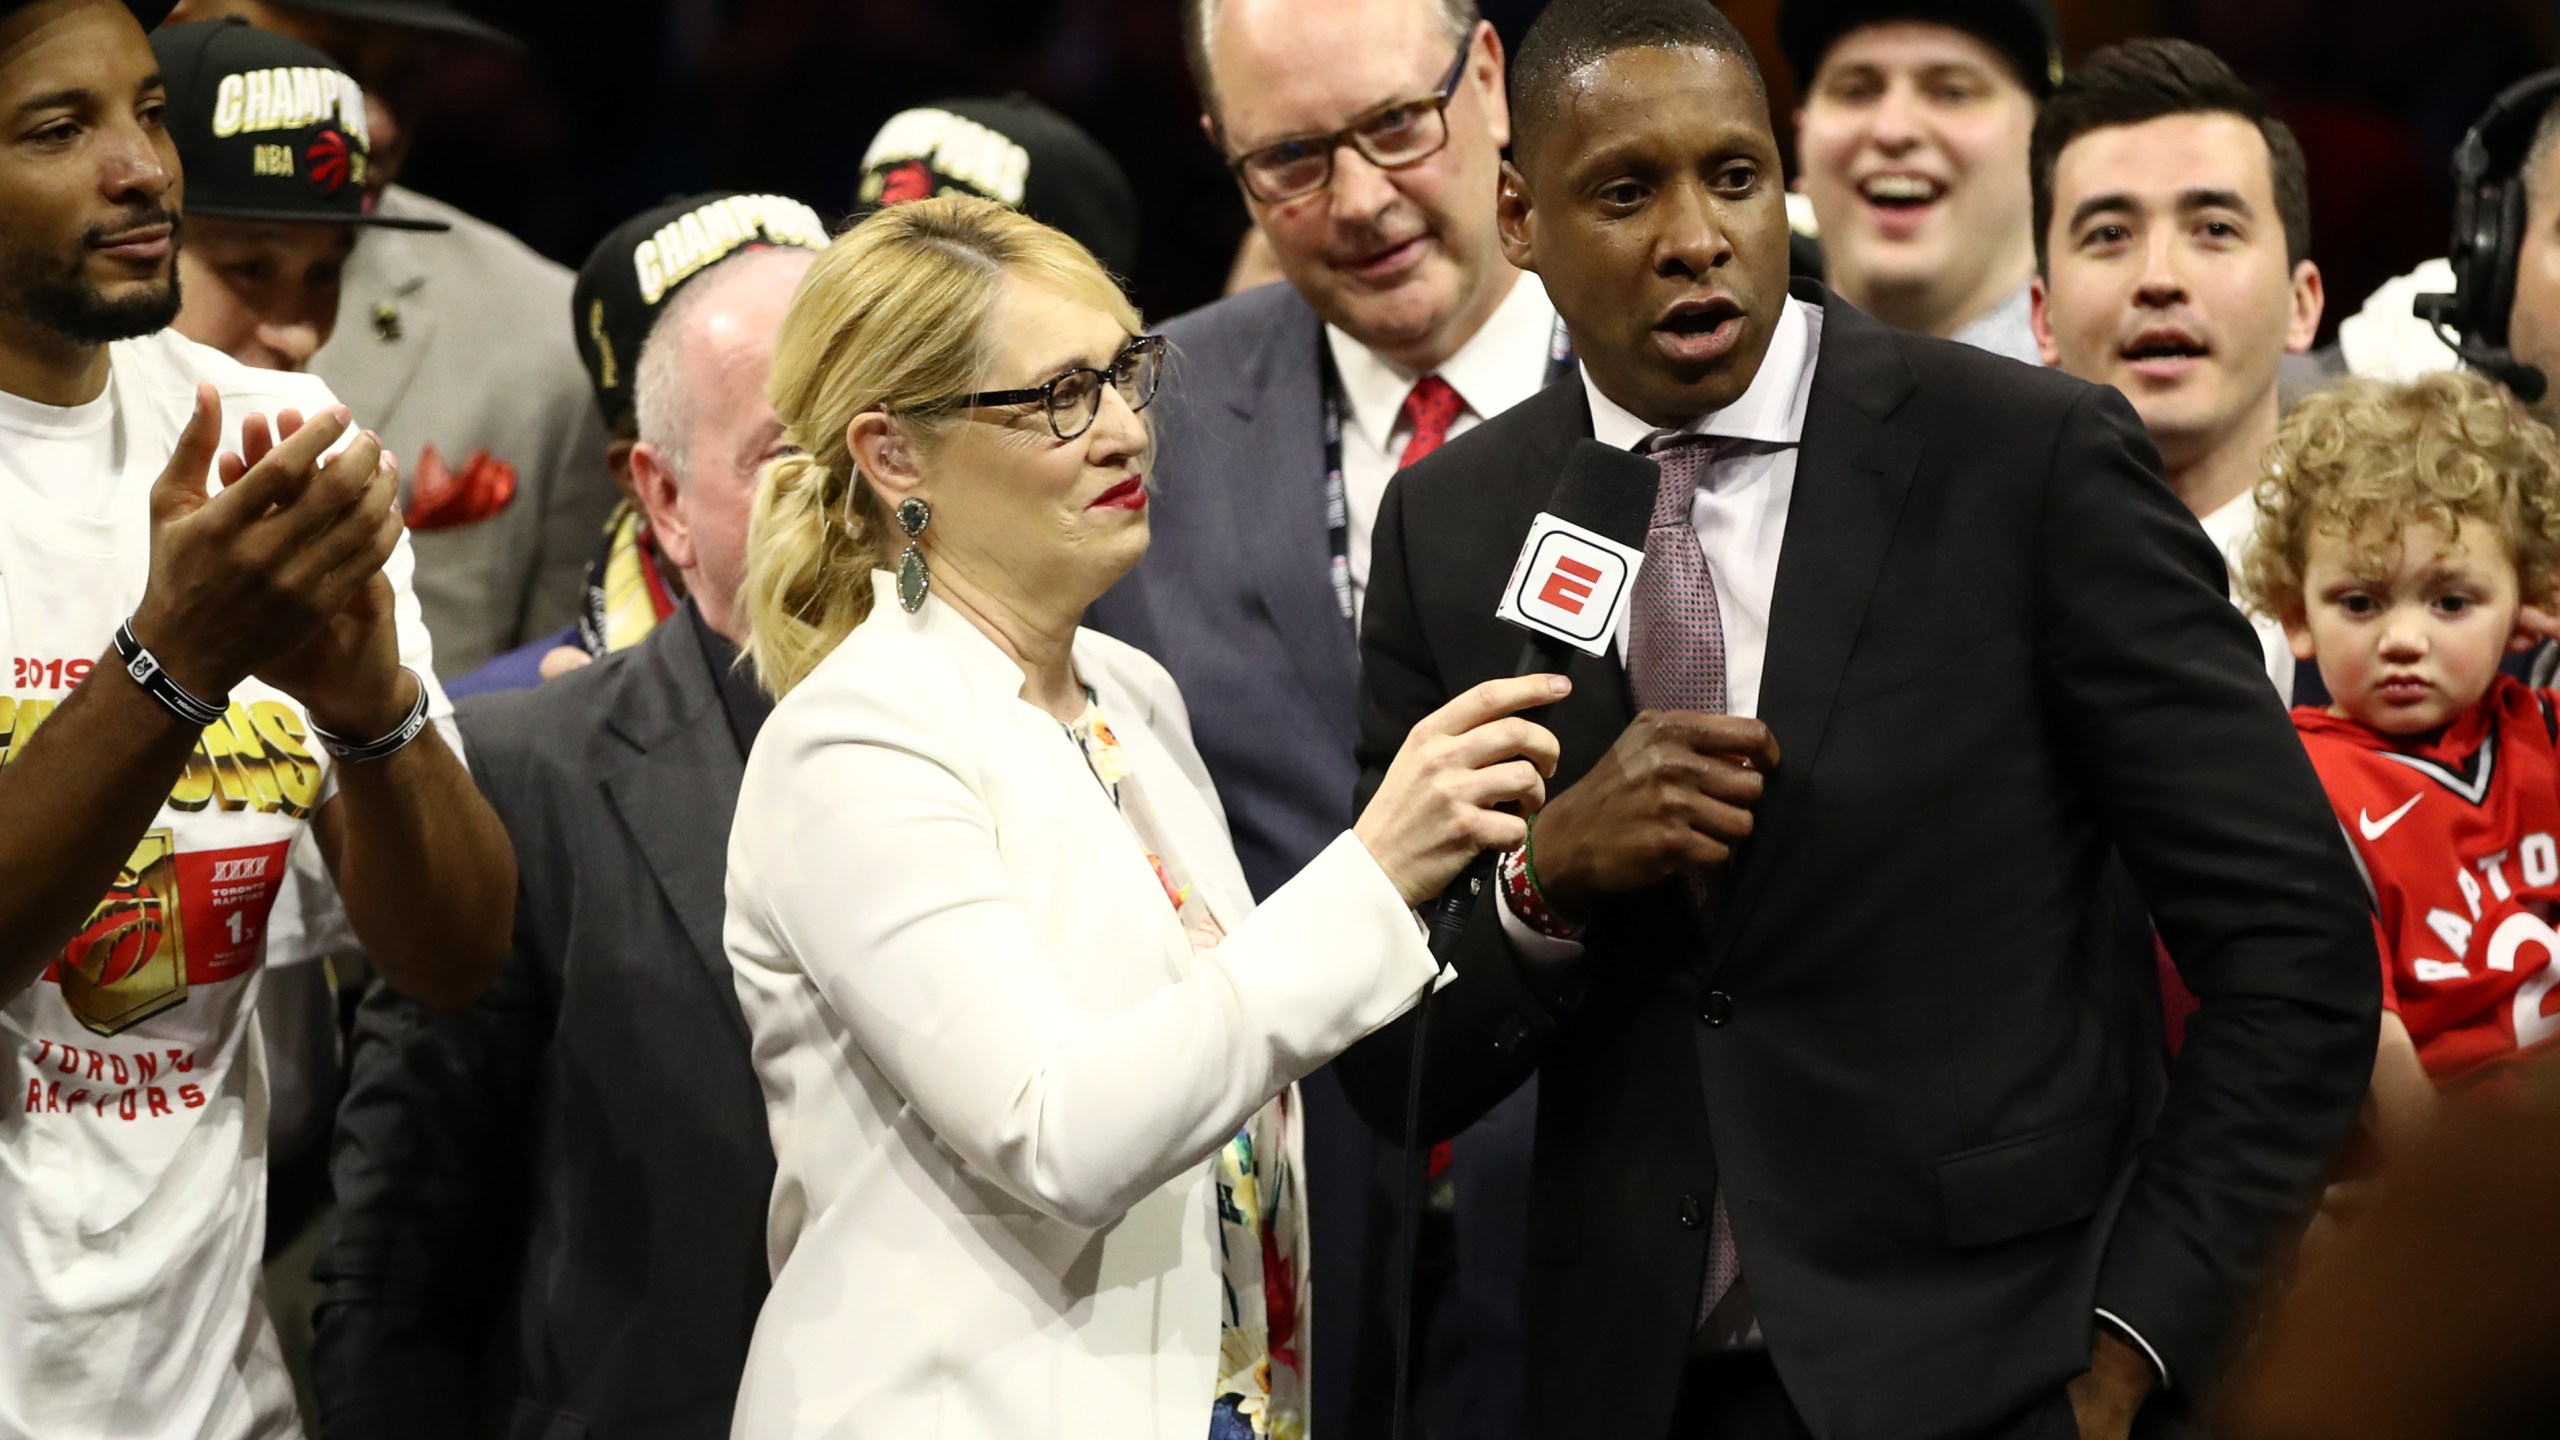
(441, 498)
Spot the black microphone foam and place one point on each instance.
(2445, 313)
(1607, 491)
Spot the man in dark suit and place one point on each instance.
(1853, 1121)
(1287, 410)
(552, 1204)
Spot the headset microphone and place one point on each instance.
(2526, 382)
(2488, 235)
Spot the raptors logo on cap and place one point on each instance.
(329, 161)
(902, 183)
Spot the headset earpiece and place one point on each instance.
(2505, 223)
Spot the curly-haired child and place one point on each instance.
(2409, 541)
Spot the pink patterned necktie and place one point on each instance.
(1675, 661)
(1675, 647)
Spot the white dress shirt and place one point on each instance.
(1503, 364)
(2231, 527)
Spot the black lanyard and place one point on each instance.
(1337, 497)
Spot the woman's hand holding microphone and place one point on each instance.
(1437, 808)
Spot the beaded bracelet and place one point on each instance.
(1519, 877)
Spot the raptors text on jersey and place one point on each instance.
(2459, 841)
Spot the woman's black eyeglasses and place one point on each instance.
(1391, 137)
(1073, 399)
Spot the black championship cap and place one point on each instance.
(2023, 30)
(1017, 152)
(634, 271)
(266, 127)
(436, 17)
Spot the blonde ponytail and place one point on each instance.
(808, 580)
(890, 318)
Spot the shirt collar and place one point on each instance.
(742, 698)
(1770, 411)
(2232, 522)
(1502, 364)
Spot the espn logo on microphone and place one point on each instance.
(1571, 583)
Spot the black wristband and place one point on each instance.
(147, 672)
(356, 752)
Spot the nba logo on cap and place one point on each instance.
(1570, 583)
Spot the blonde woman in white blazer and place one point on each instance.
(1026, 1046)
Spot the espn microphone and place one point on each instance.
(1577, 568)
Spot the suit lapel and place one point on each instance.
(1280, 507)
(682, 771)
(1851, 477)
(370, 360)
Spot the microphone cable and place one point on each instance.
(1448, 921)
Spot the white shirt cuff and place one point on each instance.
(2158, 1366)
(1529, 944)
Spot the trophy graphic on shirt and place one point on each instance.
(129, 962)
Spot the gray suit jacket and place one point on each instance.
(552, 1203)
(1235, 595)
(478, 355)
(1236, 598)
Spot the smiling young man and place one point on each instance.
(2173, 225)
(1912, 147)
(1853, 1119)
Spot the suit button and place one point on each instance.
(1509, 1035)
(1692, 1213)
(1717, 1008)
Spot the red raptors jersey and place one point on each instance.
(2456, 840)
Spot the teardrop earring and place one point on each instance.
(915, 580)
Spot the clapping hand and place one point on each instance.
(246, 576)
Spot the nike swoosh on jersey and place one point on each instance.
(2375, 829)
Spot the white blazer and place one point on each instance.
(993, 1066)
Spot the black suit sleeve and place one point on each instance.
(2156, 685)
(1490, 1026)
(431, 1188)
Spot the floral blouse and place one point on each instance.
(1262, 1362)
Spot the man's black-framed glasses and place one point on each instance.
(1073, 399)
(1391, 137)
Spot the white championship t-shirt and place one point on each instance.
(133, 1088)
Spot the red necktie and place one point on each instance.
(1430, 410)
